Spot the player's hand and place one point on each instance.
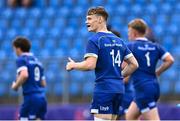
(14, 87)
(70, 64)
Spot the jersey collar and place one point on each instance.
(142, 38)
(28, 54)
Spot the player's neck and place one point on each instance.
(102, 28)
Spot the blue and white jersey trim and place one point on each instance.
(94, 111)
(43, 78)
(128, 56)
(21, 68)
(90, 55)
(165, 55)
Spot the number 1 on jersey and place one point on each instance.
(148, 59)
(116, 59)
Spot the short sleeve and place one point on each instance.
(128, 53)
(91, 49)
(162, 52)
(43, 75)
(21, 65)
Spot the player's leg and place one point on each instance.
(102, 107)
(24, 110)
(43, 109)
(151, 115)
(133, 112)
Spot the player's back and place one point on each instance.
(147, 55)
(35, 74)
(111, 52)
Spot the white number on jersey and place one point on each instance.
(36, 73)
(116, 59)
(148, 59)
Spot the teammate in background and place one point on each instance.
(128, 95)
(145, 77)
(30, 75)
(105, 53)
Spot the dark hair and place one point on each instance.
(22, 43)
(98, 11)
(109, 28)
(139, 25)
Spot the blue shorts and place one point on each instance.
(146, 96)
(33, 107)
(127, 99)
(106, 103)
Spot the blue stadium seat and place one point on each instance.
(88, 88)
(2, 4)
(63, 11)
(74, 88)
(79, 11)
(173, 29)
(40, 33)
(50, 44)
(162, 20)
(137, 9)
(59, 23)
(45, 23)
(158, 30)
(64, 44)
(58, 89)
(50, 13)
(55, 3)
(69, 32)
(4, 24)
(165, 86)
(98, 2)
(20, 13)
(60, 53)
(41, 3)
(168, 42)
(151, 9)
(3, 54)
(177, 87)
(35, 13)
(7, 13)
(26, 32)
(16, 24)
(175, 19)
(166, 8)
(121, 10)
(3, 88)
(82, 3)
(76, 76)
(31, 23)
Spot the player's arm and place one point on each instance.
(131, 66)
(167, 62)
(88, 64)
(22, 77)
(43, 83)
(123, 65)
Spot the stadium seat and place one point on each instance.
(3, 89)
(88, 88)
(165, 86)
(74, 88)
(177, 87)
(76, 76)
(58, 89)
(166, 7)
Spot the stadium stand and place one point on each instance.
(57, 30)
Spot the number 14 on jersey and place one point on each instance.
(116, 58)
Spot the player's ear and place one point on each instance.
(100, 19)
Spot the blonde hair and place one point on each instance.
(139, 25)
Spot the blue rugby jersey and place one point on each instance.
(110, 52)
(147, 55)
(35, 72)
